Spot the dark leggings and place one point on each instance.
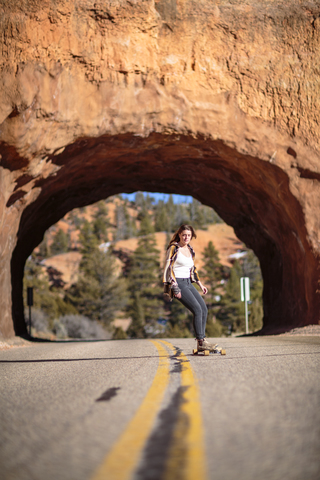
(193, 301)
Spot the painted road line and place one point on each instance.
(124, 456)
(187, 459)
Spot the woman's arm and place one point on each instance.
(203, 288)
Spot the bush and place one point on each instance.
(215, 329)
(79, 326)
(59, 329)
(119, 334)
(176, 331)
(39, 320)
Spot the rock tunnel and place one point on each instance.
(112, 97)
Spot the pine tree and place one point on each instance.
(136, 329)
(125, 227)
(251, 269)
(144, 278)
(88, 239)
(99, 292)
(212, 271)
(161, 218)
(45, 298)
(180, 321)
(61, 242)
(231, 313)
(139, 200)
(171, 212)
(44, 249)
(181, 215)
(146, 225)
(197, 217)
(101, 222)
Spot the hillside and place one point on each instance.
(221, 235)
(66, 286)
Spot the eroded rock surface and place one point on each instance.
(219, 100)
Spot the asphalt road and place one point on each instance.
(137, 409)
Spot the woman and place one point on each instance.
(179, 274)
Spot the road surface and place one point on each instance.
(141, 409)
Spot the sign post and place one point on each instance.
(30, 303)
(245, 297)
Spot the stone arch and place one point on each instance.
(244, 191)
(218, 101)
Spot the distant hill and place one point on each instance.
(221, 235)
(62, 268)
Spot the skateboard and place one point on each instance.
(206, 353)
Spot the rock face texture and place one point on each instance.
(215, 99)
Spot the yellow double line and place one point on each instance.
(188, 438)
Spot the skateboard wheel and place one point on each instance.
(195, 351)
(206, 353)
(223, 352)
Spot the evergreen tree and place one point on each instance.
(161, 218)
(181, 215)
(231, 312)
(61, 242)
(146, 225)
(213, 274)
(99, 292)
(144, 278)
(171, 212)
(180, 321)
(44, 249)
(212, 271)
(197, 217)
(139, 200)
(136, 329)
(251, 269)
(45, 299)
(256, 314)
(74, 219)
(88, 239)
(214, 328)
(101, 222)
(125, 227)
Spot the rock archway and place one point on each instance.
(164, 96)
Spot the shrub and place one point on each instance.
(79, 326)
(39, 320)
(119, 334)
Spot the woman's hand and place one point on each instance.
(176, 290)
(203, 288)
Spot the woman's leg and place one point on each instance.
(204, 309)
(193, 301)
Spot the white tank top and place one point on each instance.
(182, 266)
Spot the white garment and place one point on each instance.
(182, 266)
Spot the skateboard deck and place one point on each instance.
(207, 352)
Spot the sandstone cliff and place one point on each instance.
(215, 99)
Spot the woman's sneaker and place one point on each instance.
(203, 345)
(210, 346)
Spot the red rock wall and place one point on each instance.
(223, 96)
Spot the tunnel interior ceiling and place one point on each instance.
(215, 100)
(245, 192)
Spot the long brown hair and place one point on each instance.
(175, 238)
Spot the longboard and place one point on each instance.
(195, 351)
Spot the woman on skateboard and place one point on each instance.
(179, 275)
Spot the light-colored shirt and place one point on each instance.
(183, 266)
